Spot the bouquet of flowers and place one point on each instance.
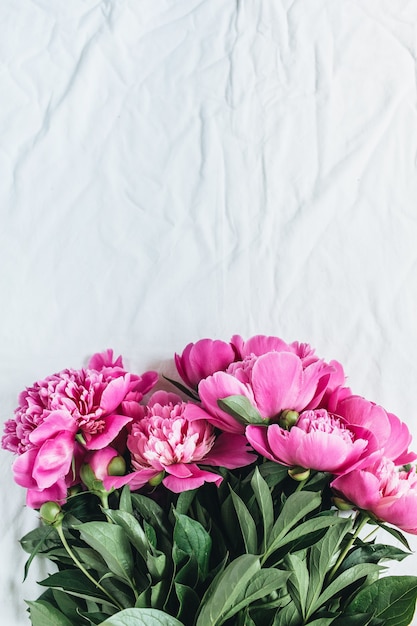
(239, 497)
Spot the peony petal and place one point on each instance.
(197, 478)
(99, 461)
(55, 423)
(135, 480)
(23, 469)
(164, 397)
(277, 379)
(230, 451)
(100, 360)
(258, 439)
(56, 493)
(114, 393)
(260, 344)
(219, 386)
(358, 410)
(400, 511)
(325, 452)
(179, 470)
(361, 487)
(113, 425)
(144, 383)
(53, 460)
(396, 448)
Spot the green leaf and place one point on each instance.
(322, 621)
(132, 528)
(226, 588)
(36, 545)
(182, 388)
(264, 500)
(44, 614)
(185, 499)
(91, 559)
(287, 616)
(295, 508)
(273, 473)
(191, 538)
(391, 599)
(151, 512)
(247, 524)
(140, 617)
(345, 579)
(298, 584)
(75, 583)
(395, 533)
(306, 530)
(111, 542)
(372, 553)
(241, 409)
(66, 604)
(263, 582)
(189, 602)
(125, 503)
(359, 619)
(321, 555)
(93, 618)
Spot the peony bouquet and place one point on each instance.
(252, 493)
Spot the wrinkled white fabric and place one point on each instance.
(178, 169)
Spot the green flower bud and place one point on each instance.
(156, 480)
(51, 513)
(341, 504)
(117, 466)
(299, 473)
(288, 419)
(87, 476)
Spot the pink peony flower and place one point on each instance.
(64, 416)
(392, 435)
(262, 344)
(384, 490)
(202, 359)
(318, 440)
(272, 382)
(165, 445)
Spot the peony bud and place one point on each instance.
(299, 473)
(341, 504)
(51, 513)
(288, 419)
(156, 480)
(117, 466)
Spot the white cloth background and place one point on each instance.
(179, 169)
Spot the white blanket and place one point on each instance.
(178, 169)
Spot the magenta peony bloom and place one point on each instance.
(166, 446)
(384, 490)
(202, 359)
(272, 382)
(63, 416)
(318, 440)
(262, 344)
(392, 435)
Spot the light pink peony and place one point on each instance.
(203, 358)
(384, 490)
(165, 445)
(272, 382)
(63, 416)
(318, 440)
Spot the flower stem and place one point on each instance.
(82, 568)
(362, 523)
